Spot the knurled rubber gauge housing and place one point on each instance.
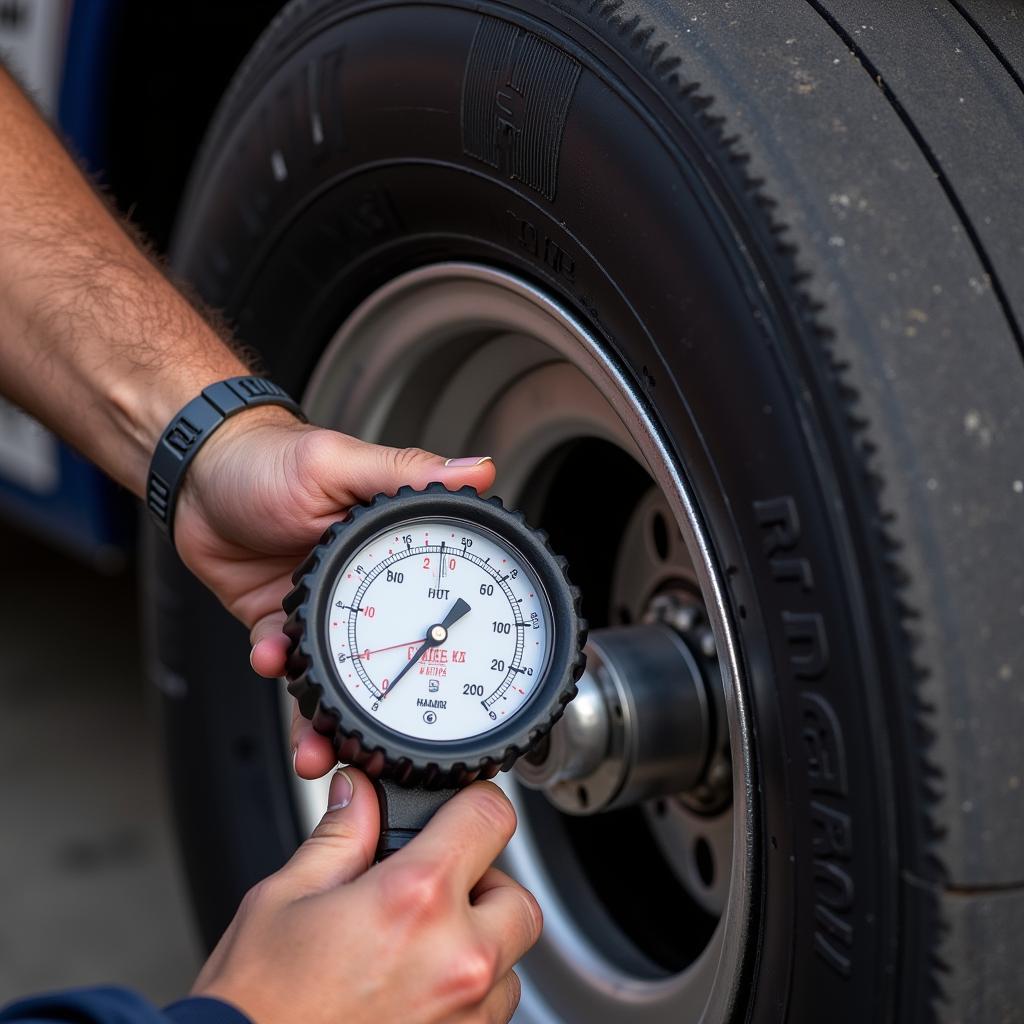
(435, 637)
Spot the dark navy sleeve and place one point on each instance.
(202, 1010)
(116, 1006)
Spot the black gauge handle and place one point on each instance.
(403, 813)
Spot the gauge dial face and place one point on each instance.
(439, 629)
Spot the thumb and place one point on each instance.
(378, 468)
(473, 470)
(342, 846)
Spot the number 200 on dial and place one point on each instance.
(439, 629)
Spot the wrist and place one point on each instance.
(192, 429)
(142, 408)
(210, 460)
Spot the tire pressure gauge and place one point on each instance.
(436, 639)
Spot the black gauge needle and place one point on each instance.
(436, 636)
(455, 613)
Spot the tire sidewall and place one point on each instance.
(639, 240)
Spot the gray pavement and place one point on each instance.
(90, 888)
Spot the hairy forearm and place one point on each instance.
(94, 340)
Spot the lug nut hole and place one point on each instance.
(659, 532)
(705, 861)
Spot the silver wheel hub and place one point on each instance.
(638, 729)
(463, 359)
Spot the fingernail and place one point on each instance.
(341, 791)
(295, 758)
(469, 462)
(252, 654)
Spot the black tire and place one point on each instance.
(797, 226)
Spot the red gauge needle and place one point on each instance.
(393, 647)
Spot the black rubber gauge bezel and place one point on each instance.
(361, 739)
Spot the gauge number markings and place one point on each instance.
(445, 552)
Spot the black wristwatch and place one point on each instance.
(191, 429)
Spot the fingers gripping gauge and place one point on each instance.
(435, 637)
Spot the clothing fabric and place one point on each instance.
(111, 1005)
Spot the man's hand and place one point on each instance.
(258, 496)
(428, 937)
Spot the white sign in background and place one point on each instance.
(32, 45)
(28, 451)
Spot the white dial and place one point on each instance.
(439, 629)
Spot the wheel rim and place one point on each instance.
(528, 381)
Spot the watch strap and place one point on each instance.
(192, 427)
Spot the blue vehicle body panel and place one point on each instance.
(87, 514)
(82, 107)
